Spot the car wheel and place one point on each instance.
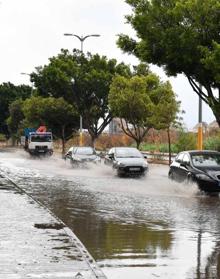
(72, 164)
(189, 179)
(120, 174)
(171, 175)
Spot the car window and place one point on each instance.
(128, 153)
(69, 152)
(206, 160)
(111, 151)
(41, 138)
(186, 159)
(179, 157)
(84, 151)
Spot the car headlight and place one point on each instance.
(145, 164)
(120, 164)
(203, 176)
(97, 159)
(76, 159)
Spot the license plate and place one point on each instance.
(134, 169)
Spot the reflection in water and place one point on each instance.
(145, 228)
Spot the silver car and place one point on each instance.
(127, 161)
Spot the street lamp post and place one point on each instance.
(26, 74)
(82, 39)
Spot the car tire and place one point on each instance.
(72, 164)
(170, 175)
(189, 179)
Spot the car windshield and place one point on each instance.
(41, 138)
(206, 160)
(128, 153)
(85, 151)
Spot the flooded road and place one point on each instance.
(134, 228)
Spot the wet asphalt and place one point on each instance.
(36, 244)
(134, 228)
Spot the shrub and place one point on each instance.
(212, 143)
(106, 141)
(2, 138)
(186, 141)
(161, 147)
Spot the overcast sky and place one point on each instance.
(32, 31)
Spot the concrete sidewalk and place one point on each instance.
(35, 244)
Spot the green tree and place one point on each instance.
(212, 143)
(166, 111)
(141, 103)
(9, 93)
(58, 115)
(186, 141)
(182, 37)
(83, 80)
(15, 119)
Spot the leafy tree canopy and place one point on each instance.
(58, 115)
(9, 93)
(142, 102)
(166, 107)
(15, 119)
(181, 36)
(83, 80)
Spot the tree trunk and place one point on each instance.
(93, 137)
(169, 145)
(63, 140)
(13, 141)
(217, 116)
(138, 142)
(93, 140)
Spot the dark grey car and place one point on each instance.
(126, 161)
(82, 155)
(201, 167)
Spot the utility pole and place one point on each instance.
(200, 126)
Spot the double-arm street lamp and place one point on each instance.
(82, 39)
(26, 74)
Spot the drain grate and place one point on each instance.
(54, 226)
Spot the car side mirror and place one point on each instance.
(68, 155)
(144, 155)
(184, 164)
(111, 156)
(101, 154)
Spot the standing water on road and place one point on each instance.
(135, 228)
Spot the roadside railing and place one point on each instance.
(158, 157)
